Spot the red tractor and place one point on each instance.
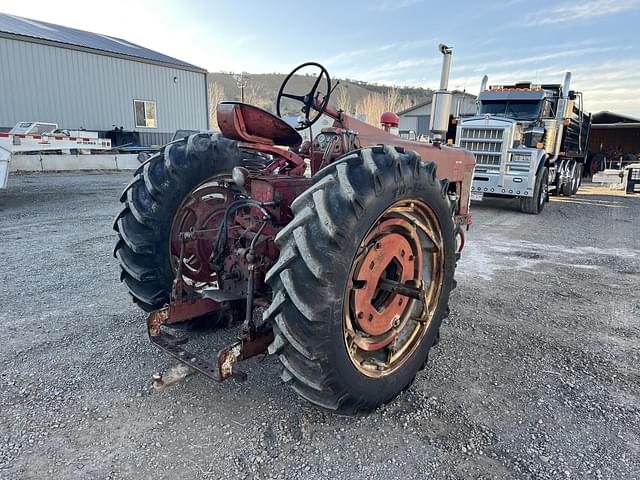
(338, 253)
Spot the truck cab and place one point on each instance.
(528, 140)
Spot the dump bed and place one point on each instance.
(576, 135)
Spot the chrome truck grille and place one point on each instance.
(485, 143)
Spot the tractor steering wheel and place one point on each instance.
(310, 100)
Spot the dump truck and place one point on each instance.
(337, 254)
(529, 140)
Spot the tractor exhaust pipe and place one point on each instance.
(441, 102)
(446, 66)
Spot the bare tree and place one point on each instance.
(216, 95)
(375, 104)
(371, 107)
(343, 99)
(394, 102)
(254, 95)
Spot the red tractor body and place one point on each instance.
(286, 223)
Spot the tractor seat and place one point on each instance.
(247, 123)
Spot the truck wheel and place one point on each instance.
(374, 220)
(577, 179)
(535, 204)
(567, 189)
(158, 205)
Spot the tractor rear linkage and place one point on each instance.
(253, 340)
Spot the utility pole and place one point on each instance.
(241, 80)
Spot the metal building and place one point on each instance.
(418, 116)
(616, 135)
(80, 79)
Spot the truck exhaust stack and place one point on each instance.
(566, 84)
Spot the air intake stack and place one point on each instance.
(441, 103)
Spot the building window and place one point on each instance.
(145, 112)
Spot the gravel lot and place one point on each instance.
(537, 374)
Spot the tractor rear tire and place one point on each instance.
(314, 274)
(150, 203)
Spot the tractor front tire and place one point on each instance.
(355, 206)
(149, 204)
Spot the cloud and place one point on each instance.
(393, 68)
(344, 57)
(349, 55)
(526, 60)
(570, 12)
(391, 5)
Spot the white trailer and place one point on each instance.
(34, 137)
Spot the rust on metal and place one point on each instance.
(387, 304)
(156, 319)
(248, 123)
(375, 312)
(222, 242)
(172, 376)
(250, 345)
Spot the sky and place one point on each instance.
(386, 41)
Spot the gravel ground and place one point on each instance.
(537, 374)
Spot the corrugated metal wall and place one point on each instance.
(79, 89)
(418, 118)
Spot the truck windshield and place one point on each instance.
(529, 110)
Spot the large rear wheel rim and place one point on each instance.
(202, 209)
(382, 330)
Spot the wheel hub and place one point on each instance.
(202, 209)
(395, 282)
(390, 258)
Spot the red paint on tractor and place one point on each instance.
(232, 242)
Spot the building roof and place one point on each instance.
(428, 101)
(35, 30)
(606, 117)
(415, 107)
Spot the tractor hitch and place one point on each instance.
(250, 344)
(184, 305)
